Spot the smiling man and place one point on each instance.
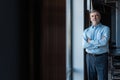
(96, 39)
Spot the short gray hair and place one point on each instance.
(92, 11)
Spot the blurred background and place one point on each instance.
(42, 39)
(32, 40)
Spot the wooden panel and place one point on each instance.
(52, 45)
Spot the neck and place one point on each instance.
(94, 24)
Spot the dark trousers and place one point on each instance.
(97, 67)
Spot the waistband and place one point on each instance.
(98, 54)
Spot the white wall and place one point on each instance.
(78, 24)
(77, 30)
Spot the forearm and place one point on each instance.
(99, 43)
(88, 45)
(103, 40)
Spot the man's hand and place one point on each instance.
(88, 40)
(103, 37)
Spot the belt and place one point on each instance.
(98, 54)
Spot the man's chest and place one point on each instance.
(94, 33)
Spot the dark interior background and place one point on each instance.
(32, 40)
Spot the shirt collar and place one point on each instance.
(98, 25)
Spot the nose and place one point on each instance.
(94, 17)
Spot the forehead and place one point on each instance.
(94, 13)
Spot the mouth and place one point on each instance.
(94, 19)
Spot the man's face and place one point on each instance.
(95, 18)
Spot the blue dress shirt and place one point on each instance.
(99, 36)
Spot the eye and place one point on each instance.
(97, 15)
(92, 16)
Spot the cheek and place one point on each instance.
(98, 19)
(91, 19)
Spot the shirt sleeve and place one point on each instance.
(86, 44)
(104, 40)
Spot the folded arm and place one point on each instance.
(92, 44)
(86, 42)
(104, 40)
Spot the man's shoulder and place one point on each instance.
(105, 26)
(87, 28)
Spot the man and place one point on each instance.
(96, 39)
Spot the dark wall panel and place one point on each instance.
(9, 40)
(52, 49)
(32, 43)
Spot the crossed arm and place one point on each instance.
(92, 44)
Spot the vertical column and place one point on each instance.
(78, 25)
(117, 24)
(68, 40)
